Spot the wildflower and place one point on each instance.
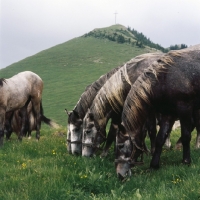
(83, 176)
(23, 165)
(53, 152)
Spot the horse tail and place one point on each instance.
(138, 101)
(47, 120)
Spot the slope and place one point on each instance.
(68, 68)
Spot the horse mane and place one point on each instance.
(2, 80)
(90, 92)
(115, 90)
(134, 110)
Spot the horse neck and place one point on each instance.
(111, 96)
(90, 93)
(136, 107)
(101, 118)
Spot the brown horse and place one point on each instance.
(13, 121)
(16, 93)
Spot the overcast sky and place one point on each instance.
(30, 26)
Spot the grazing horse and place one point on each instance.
(13, 121)
(108, 103)
(16, 93)
(75, 117)
(170, 86)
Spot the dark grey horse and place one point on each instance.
(170, 86)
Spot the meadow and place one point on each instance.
(44, 170)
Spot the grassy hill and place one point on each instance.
(68, 68)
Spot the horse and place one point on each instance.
(75, 117)
(108, 103)
(170, 86)
(13, 121)
(124, 158)
(16, 93)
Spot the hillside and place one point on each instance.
(68, 68)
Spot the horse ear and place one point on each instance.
(76, 113)
(68, 112)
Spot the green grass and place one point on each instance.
(44, 170)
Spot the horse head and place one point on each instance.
(74, 134)
(126, 152)
(93, 135)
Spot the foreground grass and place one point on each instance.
(44, 170)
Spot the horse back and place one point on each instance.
(19, 88)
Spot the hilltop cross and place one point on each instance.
(115, 16)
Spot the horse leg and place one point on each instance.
(197, 125)
(8, 124)
(2, 121)
(24, 127)
(168, 142)
(186, 127)
(110, 138)
(151, 128)
(37, 110)
(9, 132)
(29, 134)
(114, 127)
(165, 125)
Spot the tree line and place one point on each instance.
(140, 39)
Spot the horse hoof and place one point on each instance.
(154, 167)
(186, 162)
(37, 138)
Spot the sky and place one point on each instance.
(30, 26)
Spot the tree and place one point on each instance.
(120, 39)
